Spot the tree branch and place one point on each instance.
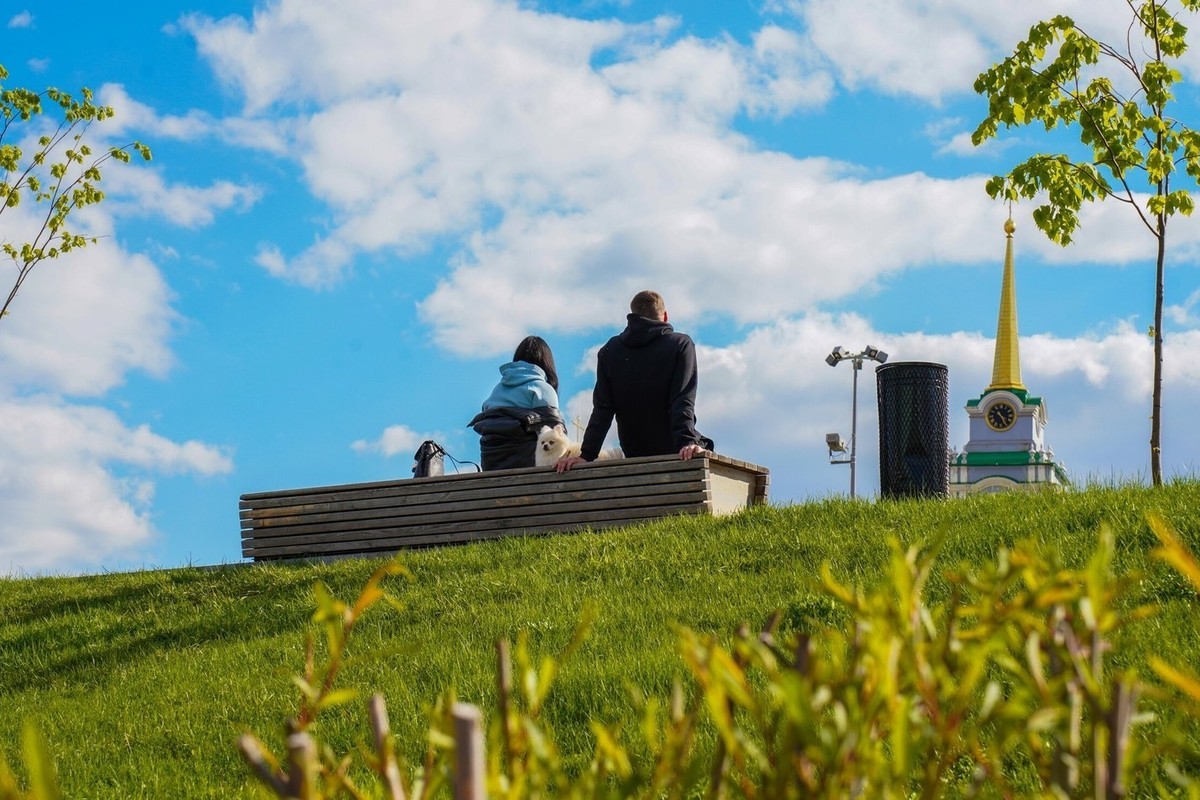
(1119, 174)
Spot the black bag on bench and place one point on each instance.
(429, 460)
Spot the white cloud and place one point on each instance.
(793, 77)
(713, 79)
(295, 52)
(951, 139)
(129, 114)
(1184, 313)
(133, 187)
(76, 483)
(320, 267)
(576, 160)
(692, 77)
(768, 236)
(66, 504)
(395, 440)
(22, 19)
(1119, 361)
(940, 129)
(932, 49)
(132, 116)
(960, 144)
(924, 49)
(487, 105)
(82, 321)
(144, 191)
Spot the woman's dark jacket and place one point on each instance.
(508, 436)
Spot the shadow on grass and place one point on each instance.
(76, 632)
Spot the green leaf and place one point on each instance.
(901, 736)
(337, 697)
(546, 675)
(43, 783)
(1044, 719)
(307, 689)
(1188, 684)
(1174, 552)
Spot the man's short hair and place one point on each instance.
(648, 304)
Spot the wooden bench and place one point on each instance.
(380, 517)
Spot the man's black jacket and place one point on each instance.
(646, 378)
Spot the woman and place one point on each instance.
(525, 399)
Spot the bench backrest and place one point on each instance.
(413, 512)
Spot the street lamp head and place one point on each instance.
(875, 354)
(835, 443)
(837, 355)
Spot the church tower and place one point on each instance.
(1006, 448)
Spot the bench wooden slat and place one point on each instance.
(366, 520)
(384, 540)
(470, 481)
(513, 493)
(326, 521)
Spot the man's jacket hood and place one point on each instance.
(642, 331)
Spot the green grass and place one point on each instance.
(143, 681)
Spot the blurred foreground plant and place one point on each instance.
(315, 771)
(38, 764)
(1001, 691)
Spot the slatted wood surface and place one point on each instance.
(327, 521)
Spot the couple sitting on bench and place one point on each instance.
(645, 378)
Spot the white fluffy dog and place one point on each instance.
(554, 444)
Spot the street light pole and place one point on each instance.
(833, 440)
(854, 424)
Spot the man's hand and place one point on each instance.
(687, 452)
(566, 462)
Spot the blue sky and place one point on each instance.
(356, 210)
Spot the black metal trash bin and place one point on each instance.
(914, 429)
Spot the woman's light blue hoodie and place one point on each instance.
(522, 385)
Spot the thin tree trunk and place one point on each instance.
(1156, 408)
(1162, 187)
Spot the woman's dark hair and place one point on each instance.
(534, 350)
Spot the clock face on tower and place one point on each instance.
(1001, 416)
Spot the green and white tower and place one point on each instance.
(1006, 449)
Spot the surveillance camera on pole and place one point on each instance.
(875, 354)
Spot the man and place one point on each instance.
(646, 378)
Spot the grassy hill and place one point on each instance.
(143, 681)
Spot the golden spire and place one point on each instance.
(1006, 369)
